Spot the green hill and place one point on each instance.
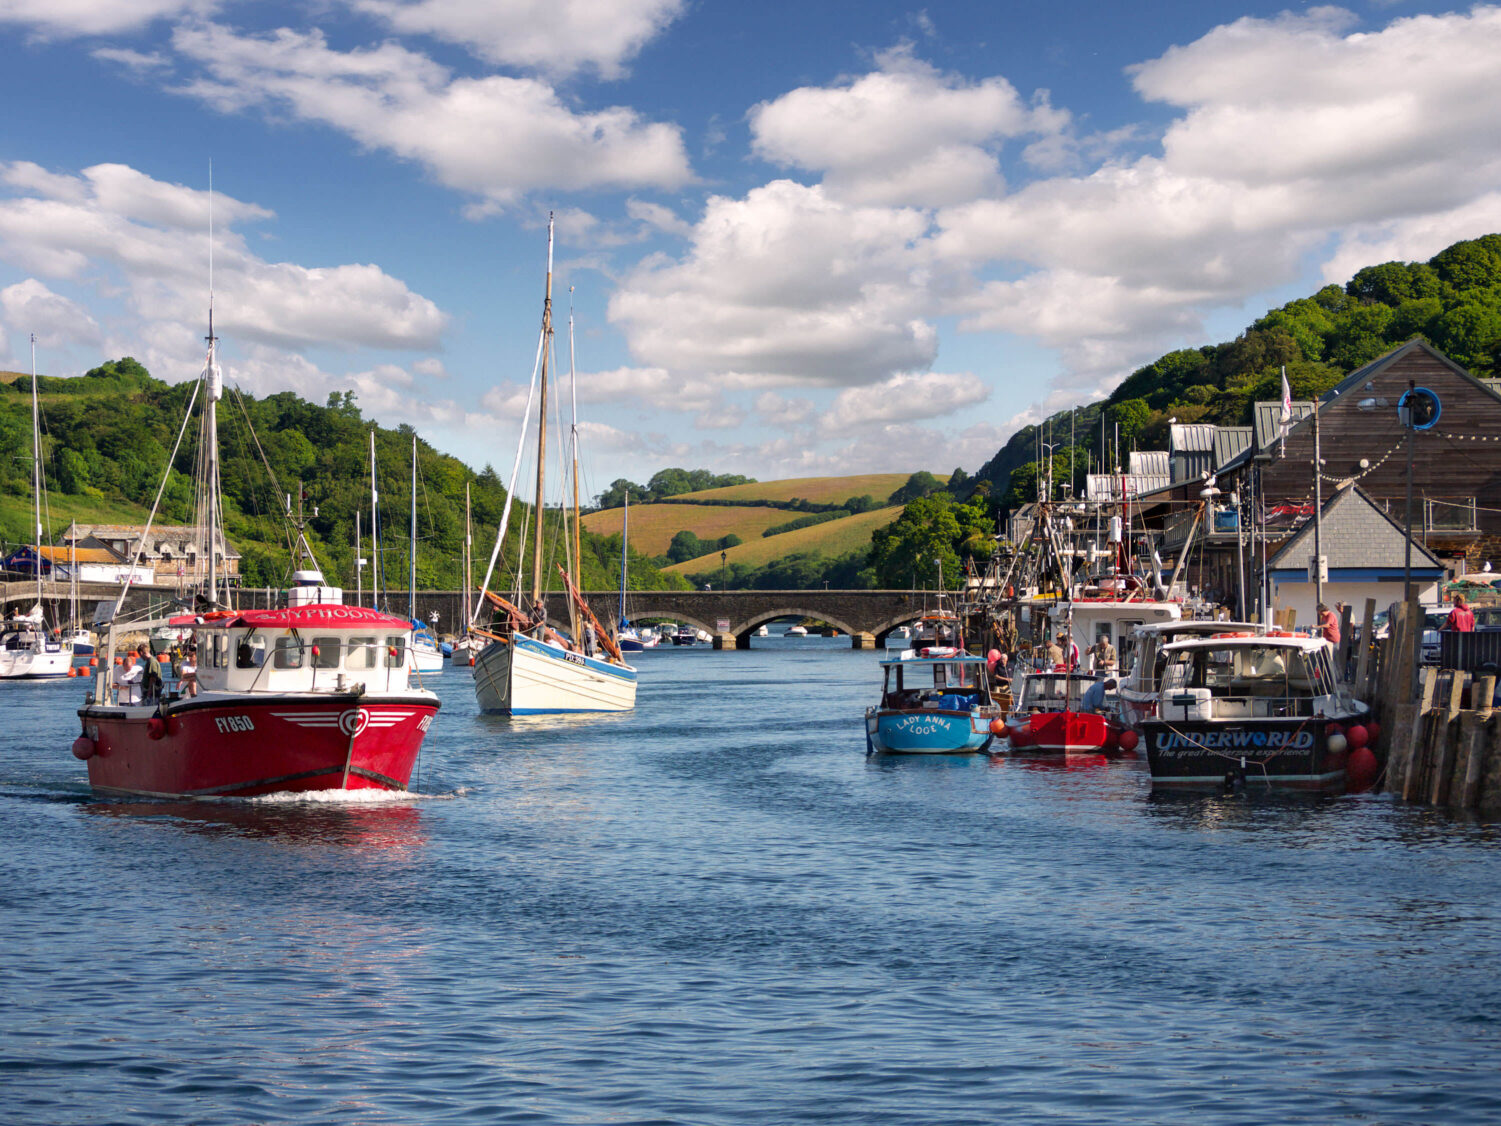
(107, 436)
(1453, 300)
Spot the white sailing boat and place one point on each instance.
(527, 668)
(28, 649)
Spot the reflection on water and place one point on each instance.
(296, 819)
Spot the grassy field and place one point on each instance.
(16, 515)
(835, 538)
(819, 490)
(654, 525)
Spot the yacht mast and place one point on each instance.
(36, 474)
(412, 554)
(374, 532)
(542, 426)
(573, 441)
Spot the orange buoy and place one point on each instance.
(998, 726)
(163, 658)
(93, 662)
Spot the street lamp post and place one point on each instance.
(724, 557)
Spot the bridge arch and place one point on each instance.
(744, 628)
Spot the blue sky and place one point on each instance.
(811, 238)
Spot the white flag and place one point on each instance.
(1287, 405)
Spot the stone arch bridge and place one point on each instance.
(866, 615)
(732, 616)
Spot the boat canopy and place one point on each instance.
(317, 616)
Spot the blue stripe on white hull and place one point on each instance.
(526, 677)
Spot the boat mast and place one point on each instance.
(412, 554)
(359, 571)
(36, 475)
(374, 532)
(542, 426)
(468, 556)
(625, 539)
(573, 441)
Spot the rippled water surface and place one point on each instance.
(717, 910)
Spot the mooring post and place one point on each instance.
(1445, 748)
(1367, 640)
(1411, 781)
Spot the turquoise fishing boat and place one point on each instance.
(934, 701)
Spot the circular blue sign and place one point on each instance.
(1419, 408)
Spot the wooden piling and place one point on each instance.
(1367, 643)
(1444, 749)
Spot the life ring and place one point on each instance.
(1221, 635)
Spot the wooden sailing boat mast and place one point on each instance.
(542, 427)
(36, 477)
(577, 563)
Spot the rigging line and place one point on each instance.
(286, 526)
(146, 530)
(505, 517)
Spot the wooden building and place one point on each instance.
(1456, 512)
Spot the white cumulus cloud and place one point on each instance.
(905, 397)
(904, 134)
(494, 136)
(785, 286)
(545, 35)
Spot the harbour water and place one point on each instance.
(716, 910)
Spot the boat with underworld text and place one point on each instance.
(934, 701)
(1259, 709)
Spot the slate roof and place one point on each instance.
(1355, 533)
(180, 539)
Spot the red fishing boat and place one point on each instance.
(1049, 717)
(312, 697)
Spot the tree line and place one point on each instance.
(107, 439)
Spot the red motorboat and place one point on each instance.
(312, 697)
(1049, 717)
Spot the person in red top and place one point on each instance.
(1328, 624)
(1461, 618)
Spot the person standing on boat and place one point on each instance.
(1328, 625)
(1094, 696)
(1461, 619)
(1053, 654)
(130, 677)
(1103, 654)
(187, 683)
(1070, 651)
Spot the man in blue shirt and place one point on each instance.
(1094, 696)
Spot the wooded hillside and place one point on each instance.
(1453, 300)
(106, 439)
